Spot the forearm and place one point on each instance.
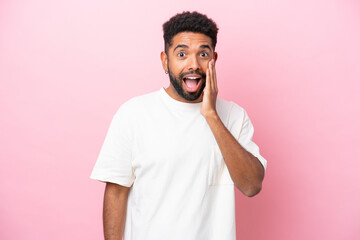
(245, 170)
(114, 211)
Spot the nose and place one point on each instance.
(193, 63)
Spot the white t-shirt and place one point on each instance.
(180, 185)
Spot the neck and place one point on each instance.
(173, 93)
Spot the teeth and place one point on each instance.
(192, 77)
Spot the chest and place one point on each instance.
(171, 139)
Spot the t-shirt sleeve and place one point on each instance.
(114, 162)
(243, 131)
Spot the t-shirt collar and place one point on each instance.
(178, 104)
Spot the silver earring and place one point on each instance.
(166, 72)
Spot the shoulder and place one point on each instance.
(230, 105)
(230, 110)
(138, 103)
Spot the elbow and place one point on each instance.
(254, 191)
(255, 186)
(250, 187)
(251, 191)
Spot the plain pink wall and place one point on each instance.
(66, 66)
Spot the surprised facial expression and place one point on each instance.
(187, 61)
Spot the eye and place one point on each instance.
(181, 54)
(204, 54)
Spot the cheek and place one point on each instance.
(177, 67)
(205, 65)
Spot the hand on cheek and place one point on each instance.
(208, 106)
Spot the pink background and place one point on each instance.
(66, 66)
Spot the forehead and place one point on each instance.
(191, 39)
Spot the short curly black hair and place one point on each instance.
(189, 22)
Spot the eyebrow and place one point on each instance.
(180, 46)
(186, 46)
(205, 46)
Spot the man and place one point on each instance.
(171, 158)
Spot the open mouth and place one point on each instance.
(192, 82)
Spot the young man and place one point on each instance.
(171, 158)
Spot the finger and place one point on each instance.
(207, 84)
(210, 76)
(214, 77)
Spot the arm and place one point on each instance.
(114, 211)
(245, 169)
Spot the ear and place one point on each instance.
(164, 61)
(215, 56)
